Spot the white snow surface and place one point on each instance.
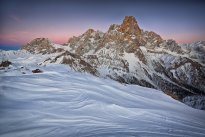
(63, 103)
(132, 60)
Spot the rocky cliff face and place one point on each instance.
(130, 26)
(130, 55)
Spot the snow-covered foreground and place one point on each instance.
(62, 103)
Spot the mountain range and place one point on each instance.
(130, 55)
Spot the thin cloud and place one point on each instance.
(16, 18)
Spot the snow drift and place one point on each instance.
(61, 102)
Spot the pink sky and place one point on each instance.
(23, 37)
(23, 21)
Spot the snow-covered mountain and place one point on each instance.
(128, 54)
(60, 102)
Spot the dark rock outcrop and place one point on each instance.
(5, 63)
(37, 71)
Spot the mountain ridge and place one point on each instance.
(130, 55)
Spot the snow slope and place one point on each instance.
(60, 102)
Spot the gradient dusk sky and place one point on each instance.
(23, 20)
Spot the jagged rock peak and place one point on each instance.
(113, 27)
(41, 39)
(38, 41)
(130, 26)
(89, 31)
(39, 45)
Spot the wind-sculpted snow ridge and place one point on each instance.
(130, 55)
(60, 102)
